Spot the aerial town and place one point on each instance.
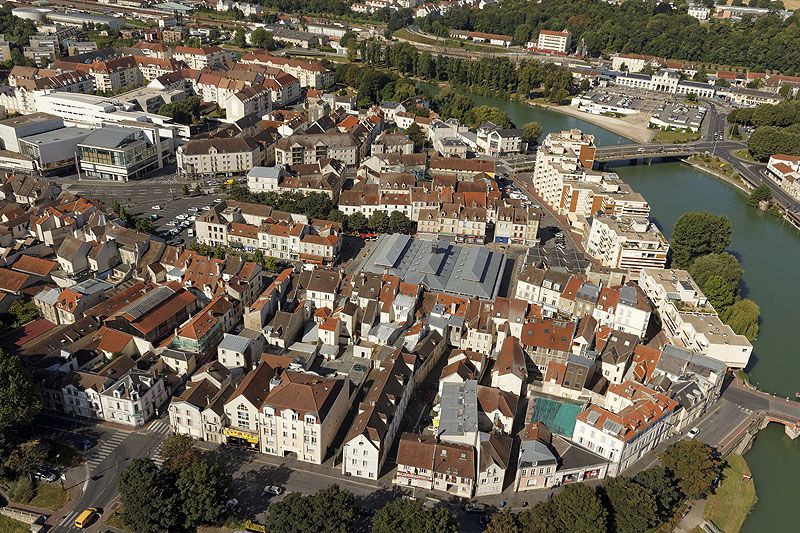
(284, 268)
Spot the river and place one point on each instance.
(769, 251)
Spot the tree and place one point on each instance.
(416, 136)
(484, 113)
(357, 223)
(405, 515)
(271, 264)
(179, 452)
(579, 510)
(150, 501)
(541, 518)
(531, 132)
(660, 482)
(694, 465)
(328, 510)
(400, 223)
(522, 34)
(239, 38)
(379, 222)
(724, 265)
(743, 317)
(699, 233)
(762, 193)
(259, 38)
(144, 226)
(719, 293)
(22, 312)
(632, 507)
(27, 458)
(503, 522)
(203, 488)
(19, 395)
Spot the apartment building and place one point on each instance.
(225, 156)
(302, 414)
(243, 407)
(635, 421)
(299, 149)
(554, 41)
(202, 58)
(374, 429)
(629, 243)
(311, 74)
(516, 225)
(249, 101)
(785, 171)
(561, 157)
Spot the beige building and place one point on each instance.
(301, 149)
(201, 58)
(209, 157)
(302, 415)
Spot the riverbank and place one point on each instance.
(624, 128)
(735, 497)
(736, 182)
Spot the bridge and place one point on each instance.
(630, 152)
(766, 407)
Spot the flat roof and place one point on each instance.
(61, 134)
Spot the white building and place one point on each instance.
(134, 399)
(785, 171)
(629, 243)
(554, 41)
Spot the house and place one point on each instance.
(226, 156)
(242, 408)
(134, 399)
(423, 462)
(494, 463)
(188, 412)
(510, 372)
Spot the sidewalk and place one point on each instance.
(694, 518)
(53, 517)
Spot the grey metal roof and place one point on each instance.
(48, 296)
(535, 452)
(267, 172)
(459, 408)
(234, 343)
(60, 134)
(92, 286)
(109, 137)
(471, 271)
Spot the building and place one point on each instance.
(226, 156)
(134, 399)
(311, 74)
(374, 429)
(302, 414)
(117, 153)
(300, 149)
(626, 242)
(249, 101)
(554, 41)
(202, 58)
(699, 11)
(480, 37)
(785, 171)
(424, 463)
(636, 420)
(55, 150)
(15, 128)
(469, 271)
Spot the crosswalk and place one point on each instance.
(163, 428)
(104, 448)
(68, 521)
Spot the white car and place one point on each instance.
(274, 489)
(156, 208)
(182, 216)
(693, 432)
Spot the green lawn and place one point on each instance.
(403, 33)
(50, 497)
(9, 525)
(735, 496)
(675, 137)
(744, 153)
(115, 520)
(63, 455)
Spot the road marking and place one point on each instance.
(104, 449)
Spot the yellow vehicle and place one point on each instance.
(86, 518)
(230, 182)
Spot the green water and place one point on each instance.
(769, 251)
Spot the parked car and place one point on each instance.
(475, 507)
(274, 489)
(86, 442)
(46, 475)
(156, 208)
(693, 432)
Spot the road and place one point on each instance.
(98, 476)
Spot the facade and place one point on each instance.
(785, 171)
(134, 399)
(118, 153)
(308, 149)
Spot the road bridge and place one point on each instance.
(768, 407)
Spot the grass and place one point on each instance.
(403, 33)
(63, 455)
(50, 497)
(735, 496)
(675, 137)
(9, 525)
(115, 520)
(744, 153)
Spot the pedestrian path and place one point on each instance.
(104, 448)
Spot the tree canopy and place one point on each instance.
(203, 489)
(632, 507)
(19, 395)
(694, 465)
(662, 485)
(698, 233)
(721, 264)
(179, 452)
(404, 515)
(328, 510)
(151, 504)
(743, 317)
